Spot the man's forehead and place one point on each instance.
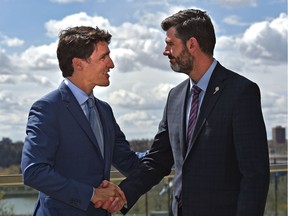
(171, 37)
(171, 31)
(102, 46)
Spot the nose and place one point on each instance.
(166, 51)
(111, 64)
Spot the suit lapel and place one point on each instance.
(213, 92)
(77, 113)
(182, 128)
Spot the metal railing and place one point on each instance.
(16, 179)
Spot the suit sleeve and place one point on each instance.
(38, 159)
(252, 151)
(153, 167)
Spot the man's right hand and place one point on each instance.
(109, 197)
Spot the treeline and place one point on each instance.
(140, 145)
(10, 152)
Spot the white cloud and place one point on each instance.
(263, 42)
(140, 124)
(137, 46)
(8, 101)
(36, 79)
(55, 26)
(266, 40)
(25, 78)
(122, 97)
(13, 114)
(234, 20)
(236, 3)
(41, 57)
(138, 118)
(226, 42)
(125, 59)
(6, 79)
(151, 19)
(12, 42)
(161, 91)
(5, 62)
(140, 97)
(274, 108)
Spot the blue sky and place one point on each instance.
(251, 40)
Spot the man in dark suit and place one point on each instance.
(221, 161)
(63, 156)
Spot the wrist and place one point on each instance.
(93, 198)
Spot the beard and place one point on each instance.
(183, 63)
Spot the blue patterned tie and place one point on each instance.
(94, 120)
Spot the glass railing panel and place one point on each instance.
(17, 199)
(154, 203)
(276, 204)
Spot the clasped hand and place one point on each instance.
(109, 197)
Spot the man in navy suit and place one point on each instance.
(62, 158)
(222, 164)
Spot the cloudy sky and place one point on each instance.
(251, 40)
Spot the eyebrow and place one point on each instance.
(105, 54)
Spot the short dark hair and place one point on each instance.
(193, 23)
(79, 42)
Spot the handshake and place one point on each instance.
(109, 197)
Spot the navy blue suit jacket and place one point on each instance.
(225, 171)
(61, 157)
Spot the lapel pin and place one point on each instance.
(216, 89)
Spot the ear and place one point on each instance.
(77, 63)
(192, 44)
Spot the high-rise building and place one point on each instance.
(278, 135)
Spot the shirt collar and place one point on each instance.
(203, 82)
(79, 94)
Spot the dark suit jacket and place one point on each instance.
(226, 169)
(61, 157)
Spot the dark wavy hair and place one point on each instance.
(79, 42)
(193, 23)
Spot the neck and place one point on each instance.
(81, 84)
(200, 66)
